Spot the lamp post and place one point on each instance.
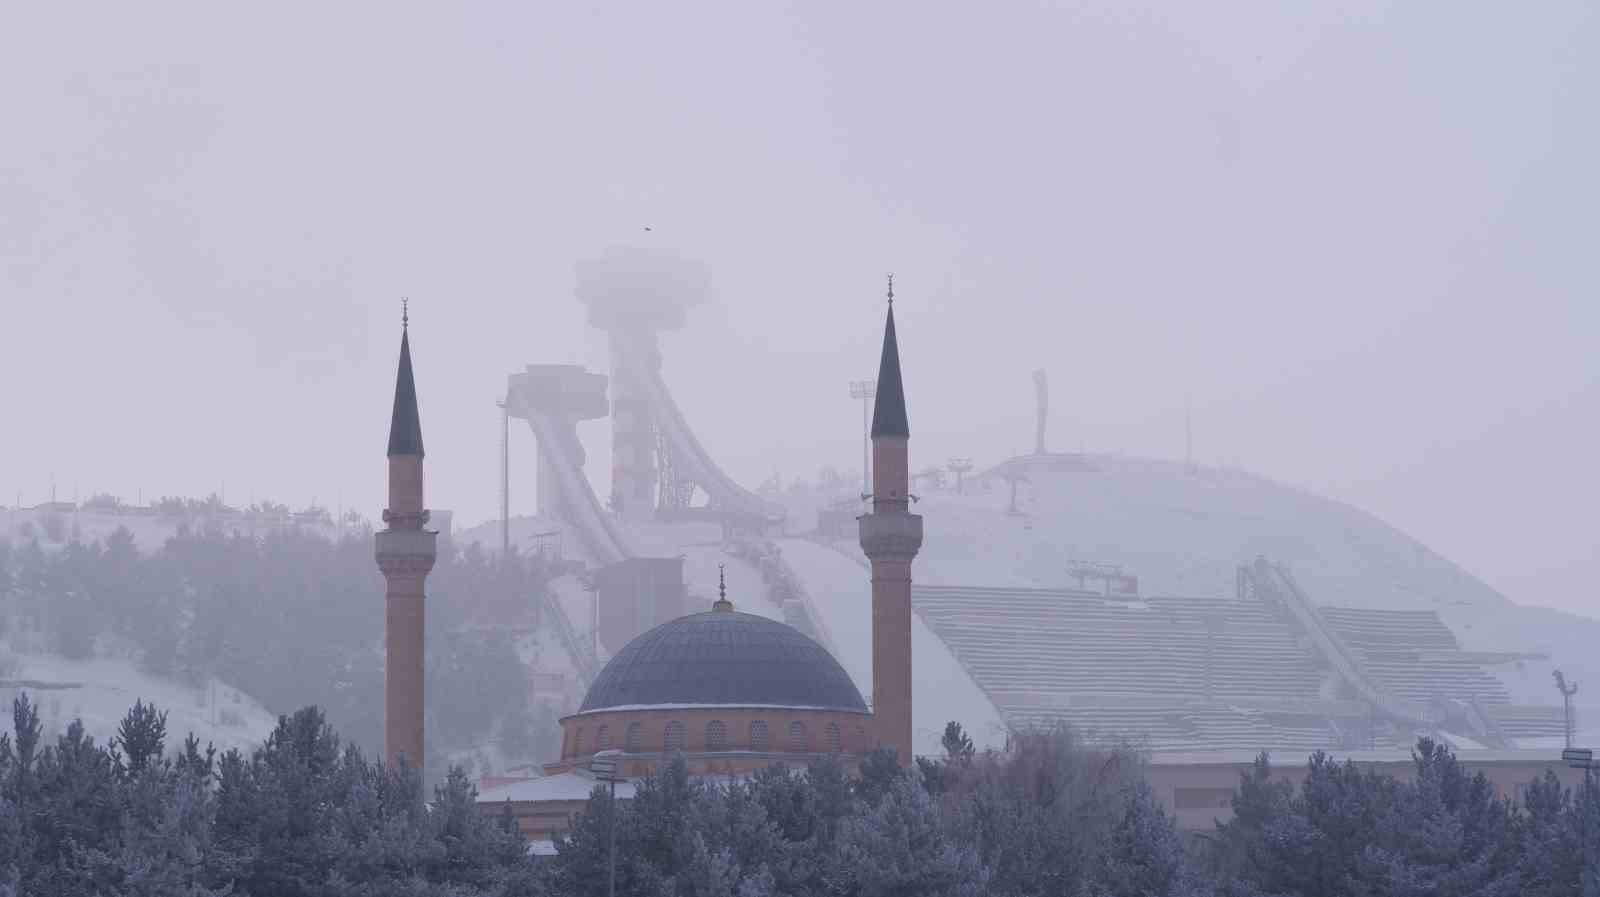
(604, 767)
(866, 391)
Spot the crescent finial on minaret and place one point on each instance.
(722, 603)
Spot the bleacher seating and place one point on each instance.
(1186, 674)
(1069, 642)
(1413, 655)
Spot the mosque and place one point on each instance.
(731, 691)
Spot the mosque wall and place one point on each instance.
(748, 738)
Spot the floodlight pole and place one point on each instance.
(865, 390)
(1567, 691)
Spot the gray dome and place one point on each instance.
(724, 658)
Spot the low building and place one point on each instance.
(1198, 787)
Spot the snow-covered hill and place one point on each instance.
(1181, 532)
(100, 691)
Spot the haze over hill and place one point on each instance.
(1361, 249)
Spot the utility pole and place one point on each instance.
(505, 478)
(866, 391)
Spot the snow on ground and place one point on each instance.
(100, 691)
(1180, 533)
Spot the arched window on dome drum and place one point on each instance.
(634, 736)
(674, 736)
(832, 735)
(759, 740)
(577, 743)
(797, 737)
(716, 736)
(602, 738)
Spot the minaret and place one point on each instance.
(405, 554)
(890, 537)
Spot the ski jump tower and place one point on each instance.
(657, 464)
(634, 294)
(554, 399)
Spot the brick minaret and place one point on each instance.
(405, 554)
(890, 537)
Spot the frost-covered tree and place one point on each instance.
(900, 848)
(302, 815)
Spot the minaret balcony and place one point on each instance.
(402, 545)
(891, 537)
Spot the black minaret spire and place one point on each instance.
(405, 427)
(889, 409)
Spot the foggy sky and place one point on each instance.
(1359, 237)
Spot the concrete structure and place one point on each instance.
(636, 595)
(890, 537)
(405, 553)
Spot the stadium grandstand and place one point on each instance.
(1263, 669)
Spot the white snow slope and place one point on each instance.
(100, 691)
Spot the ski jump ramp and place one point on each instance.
(690, 461)
(553, 399)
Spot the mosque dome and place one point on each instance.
(723, 658)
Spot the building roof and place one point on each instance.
(723, 658)
(574, 785)
(405, 427)
(889, 409)
(1472, 758)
